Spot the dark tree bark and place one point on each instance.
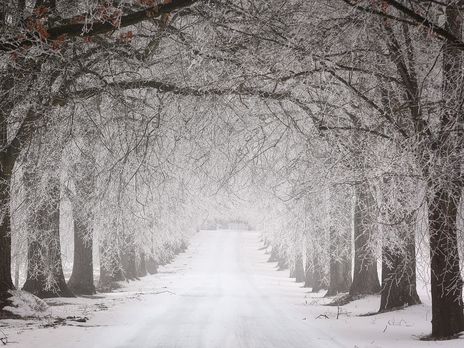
(45, 276)
(340, 262)
(446, 281)
(445, 190)
(7, 161)
(6, 283)
(81, 281)
(365, 277)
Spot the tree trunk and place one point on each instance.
(365, 277)
(7, 161)
(6, 283)
(317, 275)
(282, 262)
(142, 265)
(45, 276)
(445, 189)
(399, 271)
(152, 265)
(299, 269)
(340, 263)
(128, 261)
(446, 281)
(274, 257)
(308, 271)
(81, 281)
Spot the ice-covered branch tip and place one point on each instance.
(96, 27)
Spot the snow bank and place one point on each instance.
(26, 305)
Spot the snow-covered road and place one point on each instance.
(222, 300)
(220, 293)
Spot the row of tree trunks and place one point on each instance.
(116, 266)
(44, 264)
(11, 144)
(398, 267)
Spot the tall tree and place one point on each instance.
(445, 191)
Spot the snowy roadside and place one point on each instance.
(63, 316)
(357, 324)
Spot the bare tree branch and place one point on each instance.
(96, 27)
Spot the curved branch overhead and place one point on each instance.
(96, 27)
(412, 18)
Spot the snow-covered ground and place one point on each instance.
(220, 293)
